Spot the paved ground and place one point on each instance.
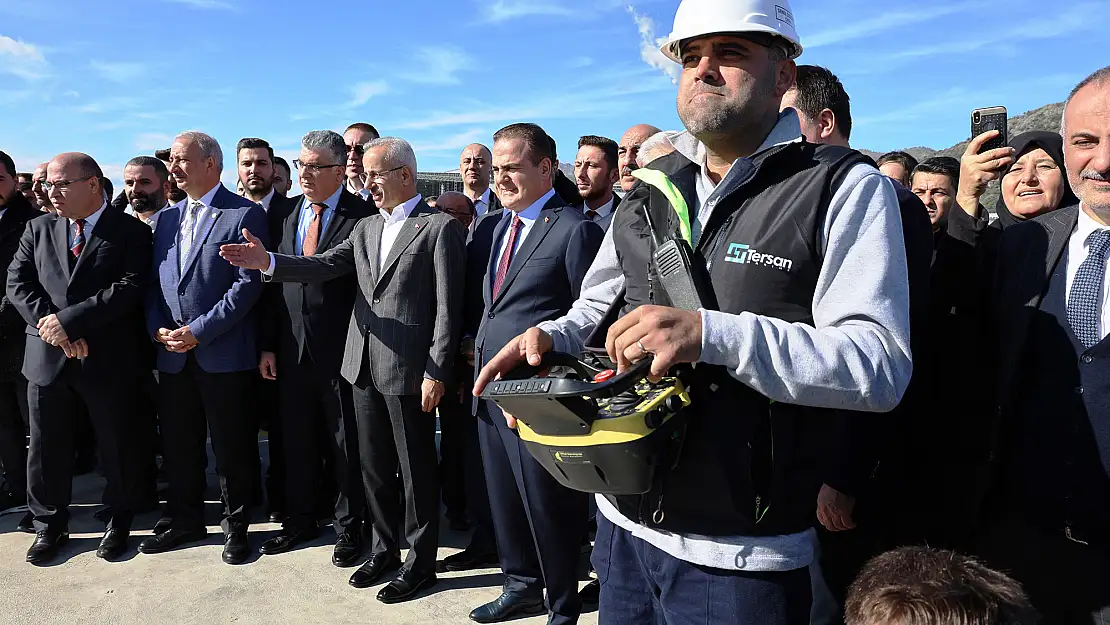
(192, 585)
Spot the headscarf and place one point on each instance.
(1053, 144)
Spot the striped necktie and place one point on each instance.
(78, 242)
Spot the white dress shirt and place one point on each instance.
(90, 223)
(265, 202)
(187, 204)
(1077, 253)
(393, 224)
(151, 221)
(604, 213)
(362, 193)
(528, 217)
(2, 211)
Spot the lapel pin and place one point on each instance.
(546, 219)
(417, 226)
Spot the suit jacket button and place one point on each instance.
(1087, 359)
(377, 300)
(490, 315)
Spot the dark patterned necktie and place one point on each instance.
(591, 215)
(78, 242)
(312, 237)
(507, 255)
(1085, 298)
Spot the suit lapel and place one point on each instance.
(410, 229)
(1059, 225)
(373, 244)
(61, 244)
(544, 222)
(337, 216)
(93, 239)
(292, 220)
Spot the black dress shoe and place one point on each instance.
(171, 539)
(277, 516)
(348, 547)
(163, 525)
(113, 545)
(590, 595)
(287, 540)
(407, 585)
(468, 560)
(46, 545)
(26, 524)
(508, 606)
(374, 569)
(236, 548)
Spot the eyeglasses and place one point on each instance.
(357, 149)
(63, 185)
(377, 176)
(312, 168)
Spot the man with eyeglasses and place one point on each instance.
(202, 314)
(303, 337)
(78, 280)
(356, 136)
(475, 167)
(401, 345)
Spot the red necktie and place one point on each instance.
(507, 255)
(312, 237)
(78, 237)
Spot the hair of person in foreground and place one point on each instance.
(923, 586)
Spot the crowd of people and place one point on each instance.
(901, 419)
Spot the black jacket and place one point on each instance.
(17, 212)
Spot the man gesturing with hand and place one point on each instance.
(401, 345)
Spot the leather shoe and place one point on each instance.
(406, 586)
(171, 539)
(277, 516)
(26, 524)
(590, 595)
(508, 606)
(113, 545)
(468, 560)
(348, 547)
(236, 548)
(287, 540)
(163, 525)
(46, 545)
(374, 569)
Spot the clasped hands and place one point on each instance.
(177, 341)
(52, 332)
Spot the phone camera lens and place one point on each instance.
(976, 118)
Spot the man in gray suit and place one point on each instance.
(401, 346)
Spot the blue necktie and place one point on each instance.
(1085, 299)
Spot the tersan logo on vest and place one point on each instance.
(743, 254)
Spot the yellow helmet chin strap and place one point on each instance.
(660, 181)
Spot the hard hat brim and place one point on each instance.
(670, 48)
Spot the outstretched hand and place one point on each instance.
(249, 255)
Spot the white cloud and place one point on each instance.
(649, 46)
(109, 104)
(150, 141)
(439, 65)
(22, 59)
(453, 143)
(580, 62)
(118, 72)
(206, 5)
(504, 10)
(362, 92)
(885, 22)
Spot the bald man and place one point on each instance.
(476, 167)
(41, 198)
(627, 150)
(78, 280)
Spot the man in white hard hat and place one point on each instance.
(806, 308)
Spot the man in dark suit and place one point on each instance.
(202, 313)
(536, 255)
(1049, 525)
(595, 173)
(303, 351)
(77, 280)
(475, 165)
(15, 212)
(401, 345)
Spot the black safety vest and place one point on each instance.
(746, 466)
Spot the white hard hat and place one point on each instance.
(698, 18)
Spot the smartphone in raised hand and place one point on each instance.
(990, 118)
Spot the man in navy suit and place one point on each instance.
(202, 315)
(536, 253)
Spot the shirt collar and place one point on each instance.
(401, 211)
(206, 199)
(269, 198)
(90, 221)
(603, 210)
(531, 213)
(1085, 226)
(332, 201)
(484, 197)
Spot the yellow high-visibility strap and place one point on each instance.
(660, 181)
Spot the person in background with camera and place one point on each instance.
(788, 335)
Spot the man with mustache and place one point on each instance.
(1051, 502)
(627, 150)
(147, 186)
(475, 167)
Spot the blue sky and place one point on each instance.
(120, 77)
